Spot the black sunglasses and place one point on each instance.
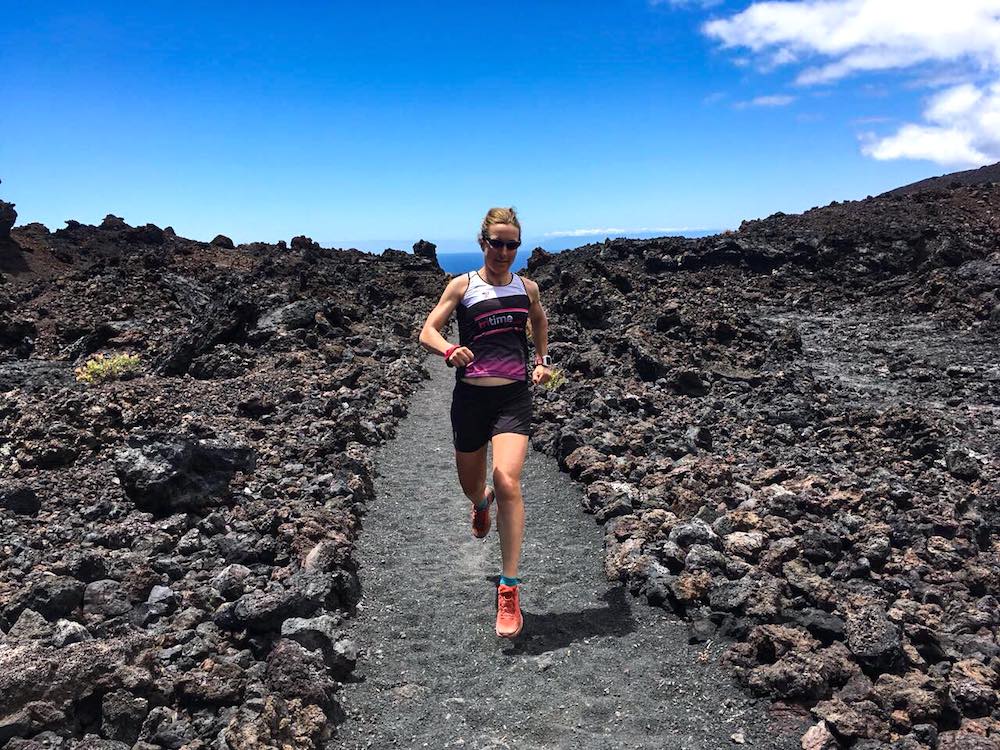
(496, 244)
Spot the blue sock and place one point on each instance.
(483, 503)
(505, 581)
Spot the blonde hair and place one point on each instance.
(499, 216)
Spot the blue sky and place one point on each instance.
(375, 126)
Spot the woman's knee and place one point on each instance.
(506, 483)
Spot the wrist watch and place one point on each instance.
(545, 360)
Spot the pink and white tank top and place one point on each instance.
(491, 322)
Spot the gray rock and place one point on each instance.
(873, 638)
(221, 240)
(695, 531)
(68, 632)
(114, 223)
(688, 382)
(30, 626)
(342, 660)
(161, 601)
(164, 477)
(301, 242)
(730, 596)
(263, 611)
(320, 634)
(85, 565)
(122, 715)
(425, 249)
(107, 598)
(245, 547)
(315, 633)
(745, 544)
(20, 500)
(703, 557)
(876, 549)
(7, 218)
(230, 581)
(163, 595)
(698, 437)
(296, 672)
(211, 684)
(56, 596)
(290, 317)
(961, 465)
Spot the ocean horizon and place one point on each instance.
(453, 246)
(456, 263)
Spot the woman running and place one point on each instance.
(492, 401)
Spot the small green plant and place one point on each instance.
(557, 379)
(100, 368)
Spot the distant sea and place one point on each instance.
(456, 263)
(454, 260)
(459, 262)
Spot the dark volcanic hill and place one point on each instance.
(989, 173)
(788, 433)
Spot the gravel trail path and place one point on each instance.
(593, 668)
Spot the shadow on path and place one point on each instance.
(555, 630)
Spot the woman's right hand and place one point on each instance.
(461, 357)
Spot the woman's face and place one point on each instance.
(500, 259)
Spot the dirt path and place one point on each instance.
(592, 668)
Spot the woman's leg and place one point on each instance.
(509, 450)
(472, 473)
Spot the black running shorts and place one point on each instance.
(478, 412)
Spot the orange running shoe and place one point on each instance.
(509, 620)
(481, 518)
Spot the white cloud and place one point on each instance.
(858, 35)
(963, 130)
(687, 3)
(773, 100)
(615, 231)
(874, 120)
(833, 39)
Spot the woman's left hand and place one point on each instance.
(541, 375)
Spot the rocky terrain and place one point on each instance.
(788, 433)
(176, 547)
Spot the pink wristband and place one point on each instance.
(449, 351)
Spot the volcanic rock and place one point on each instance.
(21, 500)
(962, 465)
(873, 638)
(295, 672)
(425, 249)
(301, 242)
(122, 715)
(167, 476)
(221, 240)
(7, 218)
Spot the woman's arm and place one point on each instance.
(539, 330)
(430, 335)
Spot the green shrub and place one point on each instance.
(557, 379)
(100, 368)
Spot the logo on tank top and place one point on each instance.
(497, 320)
